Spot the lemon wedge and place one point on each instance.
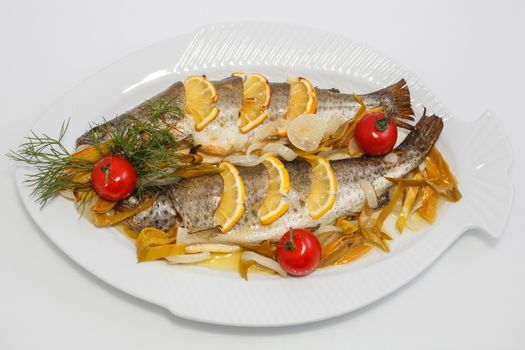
(231, 206)
(256, 99)
(303, 98)
(324, 185)
(274, 206)
(200, 96)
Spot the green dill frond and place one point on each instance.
(55, 169)
(159, 106)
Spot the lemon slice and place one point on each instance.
(274, 206)
(324, 185)
(303, 98)
(200, 96)
(231, 206)
(256, 98)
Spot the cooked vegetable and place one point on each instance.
(428, 204)
(408, 204)
(102, 206)
(298, 252)
(305, 132)
(327, 228)
(279, 150)
(376, 134)
(352, 254)
(370, 194)
(113, 178)
(439, 176)
(188, 258)
(112, 219)
(154, 244)
(383, 214)
(370, 231)
(212, 247)
(263, 261)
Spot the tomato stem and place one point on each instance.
(106, 170)
(383, 123)
(290, 245)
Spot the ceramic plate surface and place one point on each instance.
(478, 153)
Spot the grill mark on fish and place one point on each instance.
(196, 199)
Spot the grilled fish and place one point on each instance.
(192, 202)
(222, 136)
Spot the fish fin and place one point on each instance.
(426, 133)
(401, 97)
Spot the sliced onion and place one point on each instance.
(188, 258)
(370, 194)
(209, 159)
(391, 158)
(271, 129)
(327, 228)
(280, 150)
(330, 239)
(264, 261)
(212, 247)
(332, 125)
(353, 148)
(306, 132)
(243, 160)
(253, 147)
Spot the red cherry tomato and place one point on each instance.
(376, 134)
(298, 252)
(113, 178)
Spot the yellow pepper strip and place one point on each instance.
(102, 206)
(112, 219)
(439, 175)
(265, 248)
(380, 220)
(154, 244)
(92, 153)
(371, 233)
(428, 204)
(244, 267)
(84, 195)
(353, 254)
(408, 204)
(347, 226)
(332, 246)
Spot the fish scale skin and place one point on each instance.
(222, 135)
(196, 199)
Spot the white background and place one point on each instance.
(471, 55)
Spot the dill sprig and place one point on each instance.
(146, 143)
(159, 107)
(151, 149)
(55, 168)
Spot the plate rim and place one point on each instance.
(165, 302)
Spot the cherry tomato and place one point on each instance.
(113, 178)
(376, 134)
(298, 252)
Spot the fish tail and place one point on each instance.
(400, 95)
(424, 135)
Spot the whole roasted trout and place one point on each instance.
(222, 136)
(192, 202)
